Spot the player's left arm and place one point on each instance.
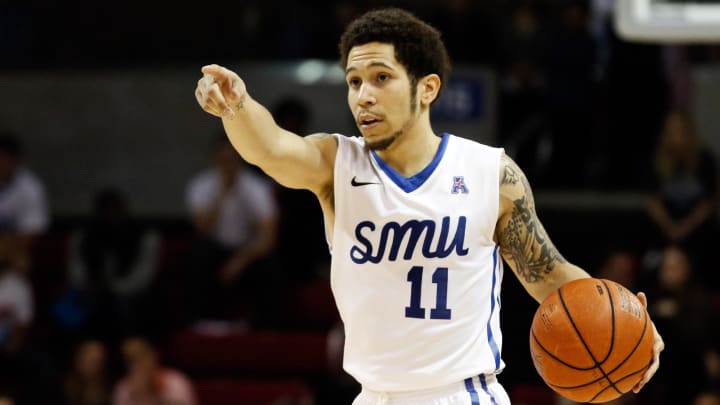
(527, 248)
(524, 243)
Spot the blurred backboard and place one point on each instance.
(668, 21)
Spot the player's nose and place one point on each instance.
(366, 95)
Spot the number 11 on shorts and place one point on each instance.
(439, 277)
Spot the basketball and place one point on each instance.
(591, 340)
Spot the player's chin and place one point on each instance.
(379, 143)
(374, 139)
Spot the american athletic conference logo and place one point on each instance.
(459, 185)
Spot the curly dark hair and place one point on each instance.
(418, 45)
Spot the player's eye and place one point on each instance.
(383, 77)
(354, 82)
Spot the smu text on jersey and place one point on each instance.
(374, 241)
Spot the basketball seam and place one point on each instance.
(570, 387)
(612, 314)
(573, 387)
(563, 362)
(625, 377)
(587, 349)
(637, 344)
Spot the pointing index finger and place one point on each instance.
(214, 70)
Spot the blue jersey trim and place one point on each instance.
(491, 338)
(410, 184)
(471, 390)
(483, 384)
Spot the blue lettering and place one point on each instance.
(367, 253)
(393, 234)
(459, 239)
(415, 228)
(444, 230)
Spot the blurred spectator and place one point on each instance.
(16, 300)
(712, 362)
(522, 117)
(235, 216)
(147, 381)
(8, 391)
(466, 26)
(112, 265)
(294, 36)
(570, 81)
(301, 218)
(23, 206)
(620, 266)
(679, 77)
(685, 188)
(22, 366)
(636, 100)
(524, 46)
(707, 398)
(681, 312)
(301, 30)
(87, 382)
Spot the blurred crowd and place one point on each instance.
(89, 308)
(570, 91)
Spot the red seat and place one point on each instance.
(313, 306)
(288, 353)
(253, 392)
(173, 254)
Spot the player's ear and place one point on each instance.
(428, 88)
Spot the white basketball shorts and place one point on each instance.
(481, 390)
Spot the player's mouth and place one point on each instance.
(367, 121)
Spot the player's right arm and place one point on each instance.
(292, 160)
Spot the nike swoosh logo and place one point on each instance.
(356, 183)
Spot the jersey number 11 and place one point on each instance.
(439, 277)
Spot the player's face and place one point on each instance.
(379, 94)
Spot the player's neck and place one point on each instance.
(413, 150)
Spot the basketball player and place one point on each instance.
(417, 221)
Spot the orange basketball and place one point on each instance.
(591, 340)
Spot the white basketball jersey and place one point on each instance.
(415, 271)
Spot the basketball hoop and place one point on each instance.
(668, 21)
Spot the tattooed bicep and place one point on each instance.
(513, 182)
(523, 240)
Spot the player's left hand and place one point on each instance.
(658, 346)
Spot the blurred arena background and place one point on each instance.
(618, 131)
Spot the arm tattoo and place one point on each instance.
(513, 175)
(509, 176)
(523, 239)
(240, 105)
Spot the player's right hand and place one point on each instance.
(220, 91)
(658, 346)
